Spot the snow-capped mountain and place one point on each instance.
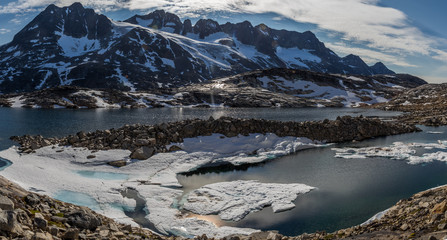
(75, 46)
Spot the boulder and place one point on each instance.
(6, 203)
(71, 234)
(32, 199)
(119, 163)
(8, 220)
(40, 221)
(143, 153)
(83, 219)
(174, 148)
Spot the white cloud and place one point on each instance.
(360, 21)
(368, 55)
(15, 21)
(4, 30)
(440, 55)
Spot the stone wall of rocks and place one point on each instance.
(25, 215)
(146, 140)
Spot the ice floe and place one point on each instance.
(234, 200)
(56, 170)
(399, 151)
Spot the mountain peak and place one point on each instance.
(76, 5)
(158, 19)
(380, 68)
(206, 27)
(75, 46)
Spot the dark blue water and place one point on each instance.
(349, 192)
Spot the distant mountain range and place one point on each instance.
(76, 46)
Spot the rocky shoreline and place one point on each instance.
(25, 215)
(146, 140)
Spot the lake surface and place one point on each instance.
(349, 190)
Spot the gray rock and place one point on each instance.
(83, 219)
(54, 230)
(143, 153)
(119, 163)
(42, 236)
(6, 203)
(8, 220)
(32, 199)
(71, 234)
(141, 142)
(58, 219)
(40, 221)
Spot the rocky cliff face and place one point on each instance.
(76, 46)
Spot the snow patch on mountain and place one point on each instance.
(74, 47)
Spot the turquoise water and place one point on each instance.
(103, 175)
(77, 198)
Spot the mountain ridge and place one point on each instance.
(76, 46)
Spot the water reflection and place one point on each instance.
(349, 192)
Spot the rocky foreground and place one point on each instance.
(425, 105)
(146, 140)
(25, 215)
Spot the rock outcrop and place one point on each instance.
(145, 140)
(425, 105)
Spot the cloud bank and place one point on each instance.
(385, 32)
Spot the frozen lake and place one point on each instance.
(349, 191)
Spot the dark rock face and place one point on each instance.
(158, 20)
(380, 68)
(206, 27)
(357, 64)
(76, 46)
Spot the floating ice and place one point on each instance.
(377, 216)
(398, 151)
(54, 169)
(234, 200)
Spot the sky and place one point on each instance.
(409, 36)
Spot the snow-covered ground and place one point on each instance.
(399, 151)
(56, 170)
(352, 98)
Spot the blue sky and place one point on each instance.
(409, 36)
